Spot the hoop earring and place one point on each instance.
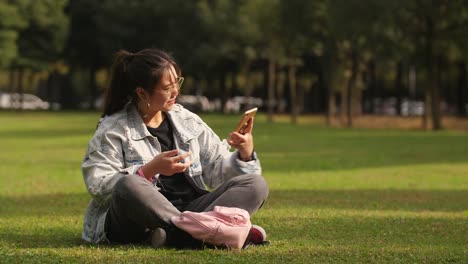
(147, 111)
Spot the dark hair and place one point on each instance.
(131, 70)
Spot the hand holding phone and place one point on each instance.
(241, 138)
(241, 127)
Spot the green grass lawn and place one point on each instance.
(336, 195)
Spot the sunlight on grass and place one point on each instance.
(336, 195)
(441, 176)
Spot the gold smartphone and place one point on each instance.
(245, 119)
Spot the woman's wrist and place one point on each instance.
(246, 157)
(142, 174)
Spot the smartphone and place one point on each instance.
(245, 119)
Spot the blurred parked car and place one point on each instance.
(385, 106)
(196, 103)
(389, 106)
(98, 103)
(241, 103)
(412, 108)
(30, 102)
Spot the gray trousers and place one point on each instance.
(137, 207)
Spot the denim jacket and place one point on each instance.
(122, 144)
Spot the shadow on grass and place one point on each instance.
(296, 148)
(368, 231)
(54, 221)
(75, 204)
(286, 150)
(59, 204)
(55, 238)
(405, 200)
(44, 133)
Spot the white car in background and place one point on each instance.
(239, 104)
(195, 103)
(30, 102)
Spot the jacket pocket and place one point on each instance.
(195, 168)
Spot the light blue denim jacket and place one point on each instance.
(122, 144)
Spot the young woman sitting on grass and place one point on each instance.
(150, 159)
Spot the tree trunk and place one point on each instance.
(322, 92)
(31, 81)
(12, 82)
(328, 73)
(280, 92)
(20, 88)
(349, 103)
(351, 87)
(245, 72)
(231, 87)
(372, 86)
(430, 75)
(344, 100)
(461, 90)
(300, 94)
(331, 107)
(223, 89)
(427, 109)
(432, 89)
(292, 91)
(271, 88)
(92, 87)
(436, 115)
(412, 82)
(399, 86)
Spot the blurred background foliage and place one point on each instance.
(341, 58)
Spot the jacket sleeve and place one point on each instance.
(218, 162)
(104, 164)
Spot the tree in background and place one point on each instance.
(10, 23)
(269, 46)
(101, 28)
(39, 39)
(352, 39)
(431, 27)
(352, 50)
(86, 46)
(460, 57)
(232, 40)
(294, 40)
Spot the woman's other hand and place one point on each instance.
(167, 163)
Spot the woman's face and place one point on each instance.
(165, 92)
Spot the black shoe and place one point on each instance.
(177, 238)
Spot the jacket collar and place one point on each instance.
(186, 127)
(136, 125)
(184, 130)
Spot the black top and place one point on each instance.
(175, 188)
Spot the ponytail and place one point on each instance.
(120, 91)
